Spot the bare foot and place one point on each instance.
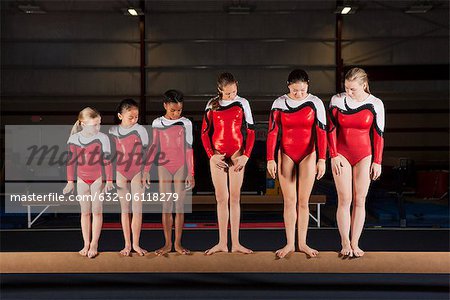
(346, 250)
(164, 250)
(357, 252)
(84, 251)
(308, 251)
(126, 251)
(281, 253)
(217, 248)
(240, 249)
(180, 249)
(92, 250)
(140, 251)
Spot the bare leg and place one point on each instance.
(287, 175)
(220, 182)
(97, 217)
(344, 190)
(136, 222)
(236, 179)
(85, 205)
(179, 188)
(306, 178)
(361, 182)
(165, 186)
(123, 190)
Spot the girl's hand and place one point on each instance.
(272, 168)
(69, 187)
(320, 168)
(375, 171)
(336, 165)
(109, 186)
(189, 183)
(146, 180)
(219, 161)
(240, 163)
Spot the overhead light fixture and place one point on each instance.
(131, 11)
(31, 9)
(419, 8)
(240, 9)
(346, 9)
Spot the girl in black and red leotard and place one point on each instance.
(89, 154)
(353, 115)
(301, 118)
(226, 116)
(172, 137)
(131, 141)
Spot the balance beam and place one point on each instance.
(197, 262)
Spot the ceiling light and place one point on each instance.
(131, 11)
(31, 9)
(345, 9)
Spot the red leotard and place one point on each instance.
(225, 124)
(352, 120)
(131, 144)
(298, 121)
(88, 155)
(174, 140)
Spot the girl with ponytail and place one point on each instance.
(226, 116)
(353, 115)
(88, 164)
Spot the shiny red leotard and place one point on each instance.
(226, 124)
(131, 147)
(298, 121)
(350, 125)
(88, 156)
(173, 139)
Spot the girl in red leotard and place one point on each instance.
(225, 117)
(352, 116)
(89, 153)
(302, 119)
(172, 137)
(131, 141)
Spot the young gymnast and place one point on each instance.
(89, 154)
(225, 116)
(172, 137)
(301, 118)
(353, 115)
(131, 141)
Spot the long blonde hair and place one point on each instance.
(85, 114)
(360, 75)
